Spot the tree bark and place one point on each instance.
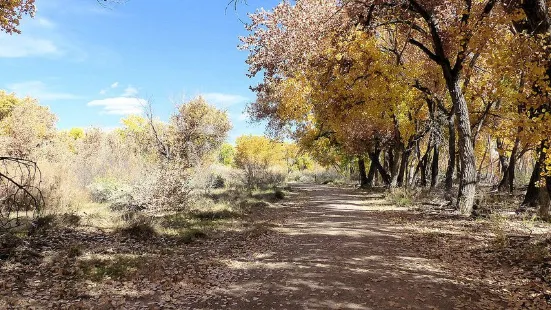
(385, 176)
(434, 167)
(467, 188)
(451, 151)
(363, 175)
(532, 196)
(423, 167)
(545, 205)
(403, 168)
(371, 175)
(507, 183)
(395, 164)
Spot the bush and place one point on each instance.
(139, 230)
(279, 194)
(401, 197)
(8, 244)
(105, 190)
(218, 182)
(42, 224)
(70, 219)
(167, 188)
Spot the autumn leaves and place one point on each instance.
(389, 77)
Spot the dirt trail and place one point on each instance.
(336, 250)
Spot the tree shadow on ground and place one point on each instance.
(336, 254)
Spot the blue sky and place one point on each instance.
(92, 65)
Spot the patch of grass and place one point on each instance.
(74, 251)
(498, 229)
(100, 216)
(191, 235)
(270, 195)
(43, 224)
(259, 229)
(174, 221)
(116, 268)
(401, 198)
(538, 252)
(140, 230)
(279, 194)
(211, 215)
(70, 219)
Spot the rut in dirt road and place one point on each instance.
(336, 251)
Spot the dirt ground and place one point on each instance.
(322, 247)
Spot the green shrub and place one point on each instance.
(279, 194)
(139, 229)
(115, 268)
(401, 197)
(74, 251)
(105, 190)
(70, 219)
(191, 235)
(498, 228)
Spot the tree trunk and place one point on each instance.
(371, 175)
(545, 205)
(532, 196)
(467, 188)
(395, 164)
(363, 175)
(374, 156)
(508, 181)
(434, 167)
(451, 151)
(423, 167)
(403, 168)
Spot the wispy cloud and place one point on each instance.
(106, 90)
(124, 104)
(20, 46)
(130, 92)
(39, 90)
(119, 105)
(45, 23)
(224, 100)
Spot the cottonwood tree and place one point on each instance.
(196, 131)
(256, 155)
(11, 13)
(443, 50)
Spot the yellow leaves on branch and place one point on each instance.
(12, 11)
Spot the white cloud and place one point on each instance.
(19, 46)
(119, 105)
(224, 100)
(106, 90)
(130, 92)
(45, 23)
(39, 90)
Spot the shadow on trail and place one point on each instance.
(336, 252)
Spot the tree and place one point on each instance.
(226, 155)
(196, 131)
(11, 13)
(27, 126)
(256, 155)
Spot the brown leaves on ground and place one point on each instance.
(322, 248)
